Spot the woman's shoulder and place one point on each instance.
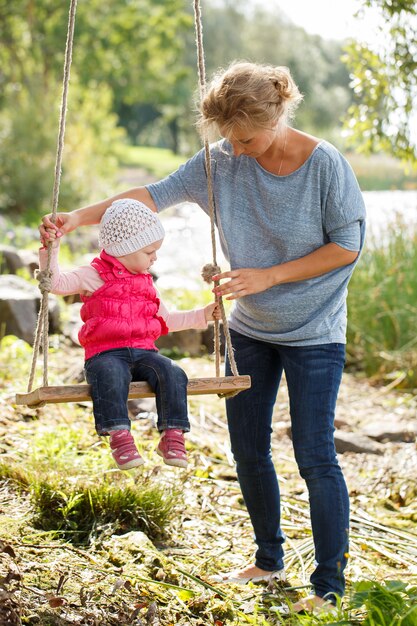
(329, 151)
(329, 157)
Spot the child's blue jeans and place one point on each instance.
(313, 375)
(109, 373)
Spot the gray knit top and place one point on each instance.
(264, 220)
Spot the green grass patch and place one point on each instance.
(381, 172)
(157, 161)
(382, 305)
(391, 603)
(84, 510)
(76, 494)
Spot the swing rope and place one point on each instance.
(211, 270)
(44, 277)
(224, 386)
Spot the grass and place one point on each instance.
(60, 472)
(382, 306)
(58, 488)
(381, 172)
(392, 603)
(157, 161)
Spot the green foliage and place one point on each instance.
(29, 123)
(392, 603)
(263, 34)
(16, 355)
(132, 46)
(60, 474)
(124, 52)
(382, 308)
(157, 161)
(381, 172)
(79, 512)
(385, 83)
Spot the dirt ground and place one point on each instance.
(45, 581)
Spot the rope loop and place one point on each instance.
(208, 271)
(44, 277)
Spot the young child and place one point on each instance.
(123, 317)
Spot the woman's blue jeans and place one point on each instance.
(313, 375)
(110, 372)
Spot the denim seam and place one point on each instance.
(162, 419)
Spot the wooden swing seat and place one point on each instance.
(81, 393)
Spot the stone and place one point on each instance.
(184, 341)
(19, 306)
(12, 260)
(356, 442)
(135, 542)
(392, 432)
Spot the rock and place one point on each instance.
(30, 260)
(135, 542)
(184, 341)
(354, 442)
(340, 423)
(19, 306)
(12, 259)
(207, 338)
(141, 405)
(391, 432)
(73, 322)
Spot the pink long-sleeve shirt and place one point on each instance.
(85, 280)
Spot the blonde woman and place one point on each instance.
(290, 217)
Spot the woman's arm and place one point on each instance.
(92, 214)
(247, 281)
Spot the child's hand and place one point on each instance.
(212, 312)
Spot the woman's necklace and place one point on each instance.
(283, 152)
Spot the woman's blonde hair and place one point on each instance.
(247, 95)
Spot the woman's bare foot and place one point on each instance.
(313, 604)
(251, 573)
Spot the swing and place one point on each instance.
(226, 386)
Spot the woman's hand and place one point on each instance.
(212, 311)
(65, 223)
(243, 282)
(52, 238)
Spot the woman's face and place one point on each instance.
(252, 143)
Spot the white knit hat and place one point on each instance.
(127, 226)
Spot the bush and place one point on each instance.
(29, 129)
(382, 308)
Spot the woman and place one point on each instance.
(290, 216)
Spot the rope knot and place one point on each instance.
(208, 271)
(45, 280)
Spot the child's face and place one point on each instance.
(141, 260)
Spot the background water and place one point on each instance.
(187, 246)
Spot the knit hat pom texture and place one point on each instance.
(128, 226)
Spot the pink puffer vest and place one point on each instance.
(122, 313)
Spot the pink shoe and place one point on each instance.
(124, 450)
(172, 447)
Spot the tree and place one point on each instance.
(261, 33)
(384, 80)
(125, 52)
